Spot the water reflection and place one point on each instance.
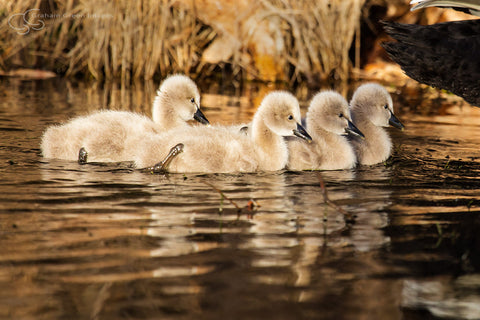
(105, 241)
(444, 297)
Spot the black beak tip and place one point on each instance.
(200, 117)
(353, 130)
(356, 133)
(302, 133)
(394, 122)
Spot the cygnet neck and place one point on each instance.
(267, 143)
(377, 141)
(165, 114)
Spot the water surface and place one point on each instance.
(104, 241)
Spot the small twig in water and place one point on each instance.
(348, 216)
(220, 209)
(469, 204)
(223, 197)
(447, 165)
(251, 206)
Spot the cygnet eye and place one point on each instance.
(290, 117)
(341, 115)
(386, 106)
(192, 100)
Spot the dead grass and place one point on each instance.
(319, 36)
(142, 39)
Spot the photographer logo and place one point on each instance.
(22, 23)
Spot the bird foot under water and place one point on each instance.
(82, 156)
(162, 167)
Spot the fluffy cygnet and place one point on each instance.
(372, 109)
(177, 101)
(328, 121)
(219, 149)
(105, 133)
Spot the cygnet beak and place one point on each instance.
(394, 122)
(302, 133)
(200, 117)
(353, 130)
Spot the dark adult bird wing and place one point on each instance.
(443, 55)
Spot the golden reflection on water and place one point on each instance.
(162, 272)
(104, 241)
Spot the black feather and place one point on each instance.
(444, 55)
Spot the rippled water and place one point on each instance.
(108, 242)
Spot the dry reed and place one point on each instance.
(142, 39)
(319, 35)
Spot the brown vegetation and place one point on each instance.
(262, 40)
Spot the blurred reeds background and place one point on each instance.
(268, 40)
(127, 47)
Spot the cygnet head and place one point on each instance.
(280, 112)
(373, 102)
(179, 95)
(329, 111)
